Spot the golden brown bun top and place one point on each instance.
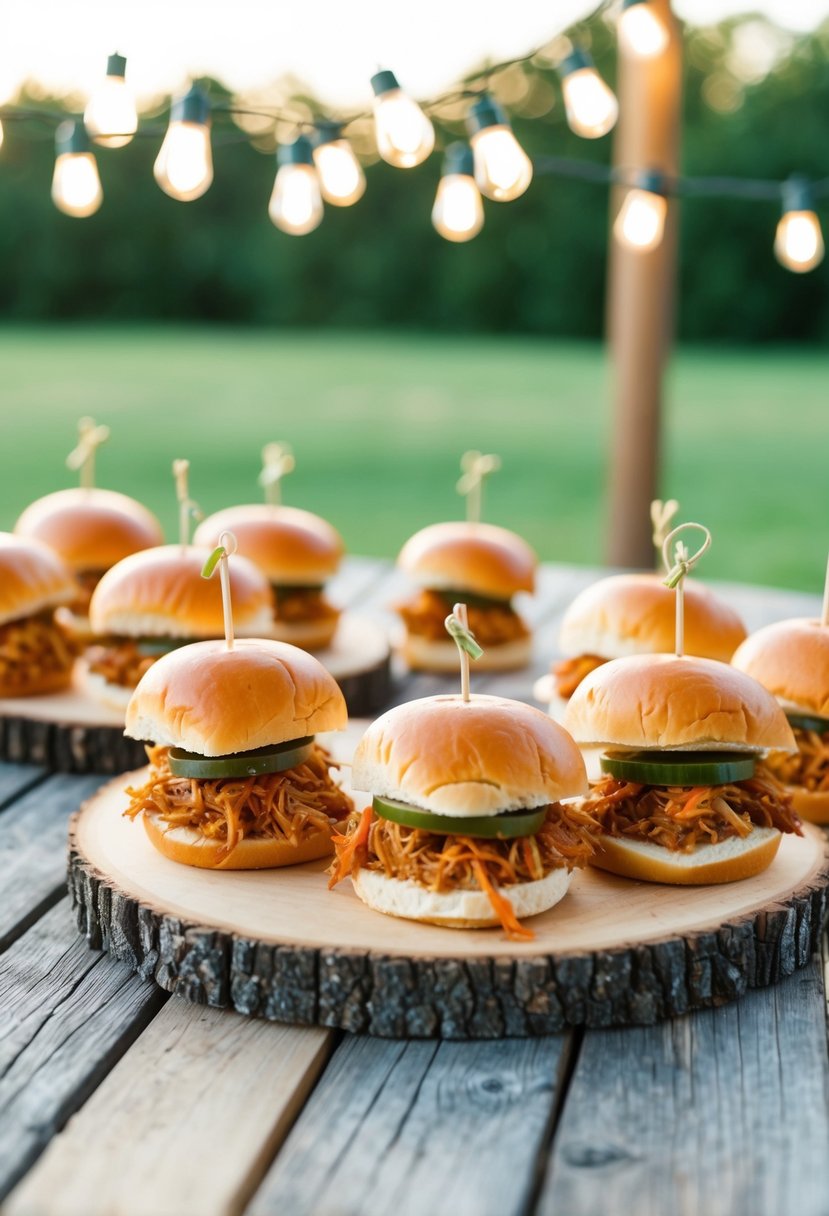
(90, 529)
(290, 546)
(32, 578)
(478, 757)
(791, 660)
(481, 558)
(636, 614)
(211, 700)
(161, 593)
(659, 700)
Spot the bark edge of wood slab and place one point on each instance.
(68, 747)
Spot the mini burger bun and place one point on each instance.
(90, 529)
(462, 758)
(685, 704)
(456, 909)
(729, 861)
(114, 696)
(288, 545)
(33, 579)
(424, 654)
(636, 614)
(192, 848)
(480, 558)
(813, 806)
(791, 660)
(310, 635)
(214, 701)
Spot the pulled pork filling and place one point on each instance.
(119, 661)
(810, 767)
(569, 673)
(444, 863)
(681, 817)
(493, 622)
(299, 604)
(32, 649)
(289, 806)
(87, 581)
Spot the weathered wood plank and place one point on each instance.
(67, 1014)
(418, 1128)
(724, 1112)
(184, 1125)
(355, 579)
(15, 779)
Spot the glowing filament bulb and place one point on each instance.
(184, 165)
(458, 213)
(1, 135)
(405, 136)
(641, 31)
(798, 242)
(640, 224)
(503, 170)
(592, 108)
(296, 201)
(111, 117)
(341, 176)
(76, 186)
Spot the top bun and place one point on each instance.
(161, 593)
(480, 558)
(462, 758)
(791, 660)
(686, 704)
(91, 529)
(32, 578)
(291, 547)
(636, 614)
(214, 701)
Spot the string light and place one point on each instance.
(184, 165)
(798, 242)
(341, 176)
(76, 186)
(405, 136)
(641, 31)
(458, 213)
(591, 107)
(640, 224)
(503, 170)
(296, 202)
(111, 117)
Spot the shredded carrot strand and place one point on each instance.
(347, 849)
(502, 907)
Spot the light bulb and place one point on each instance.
(76, 186)
(503, 170)
(1, 135)
(641, 31)
(110, 117)
(405, 136)
(341, 176)
(640, 224)
(798, 242)
(592, 108)
(296, 202)
(184, 165)
(458, 213)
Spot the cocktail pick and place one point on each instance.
(661, 515)
(82, 456)
(219, 557)
(277, 462)
(188, 508)
(683, 562)
(475, 468)
(457, 626)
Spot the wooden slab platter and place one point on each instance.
(72, 732)
(279, 944)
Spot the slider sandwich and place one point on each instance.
(35, 654)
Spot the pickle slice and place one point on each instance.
(680, 768)
(273, 759)
(497, 827)
(158, 646)
(809, 722)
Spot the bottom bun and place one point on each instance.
(456, 909)
(115, 696)
(309, 635)
(728, 861)
(52, 681)
(813, 807)
(421, 654)
(190, 848)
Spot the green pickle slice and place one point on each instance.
(275, 758)
(497, 827)
(809, 722)
(680, 768)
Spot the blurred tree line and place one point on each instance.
(537, 267)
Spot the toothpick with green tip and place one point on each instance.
(225, 548)
(277, 462)
(82, 457)
(457, 626)
(683, 562)
(188, 508)
(475, 468)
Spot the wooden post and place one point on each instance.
(641, 289)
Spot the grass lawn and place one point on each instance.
(378, 423)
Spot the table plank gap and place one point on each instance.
(16, 780)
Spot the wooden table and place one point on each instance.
(115, 1098)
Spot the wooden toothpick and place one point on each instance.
(82, 457)
(277, 462)
(683, 562)
(457, 626)
(824, 616)
(661, 515)
(475, 468)
(188, 508)
(225, 549)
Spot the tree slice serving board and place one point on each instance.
(281, 945)
(72, 732)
